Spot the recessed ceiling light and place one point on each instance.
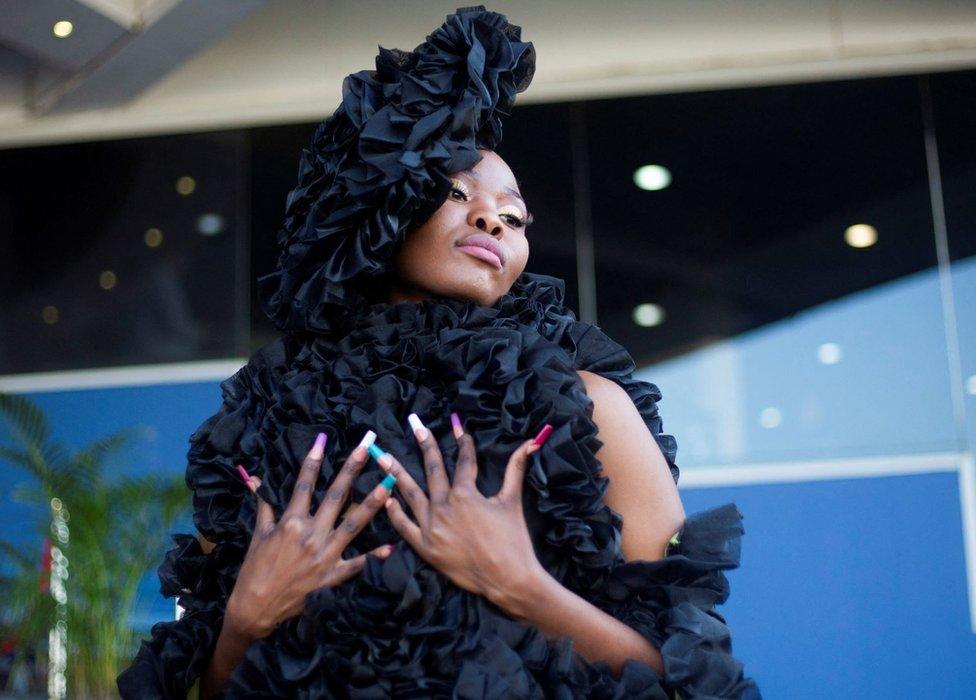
(185, 185)
(210, 224)
(153, 237)
(648, 315)
(770, 417)
(49, 314)
(62, 29)
(652, 177)
(830, 353)
(861, 235)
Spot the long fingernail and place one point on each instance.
(388, 482)
(418, 427)
(244, 475)
(381, 457)
(318, 449)
(364, 444)
(456, 423)
(543, 434)
(368, 439)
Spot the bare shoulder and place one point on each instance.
(613, 411)
(641, 487)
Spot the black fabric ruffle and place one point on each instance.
(401, 628)
(381, 163)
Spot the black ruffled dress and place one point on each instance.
(346, 363)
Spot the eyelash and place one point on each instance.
(516, 221)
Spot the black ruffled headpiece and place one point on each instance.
(381, 164)
(344, 365)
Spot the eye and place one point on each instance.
(515, 219)
(458, 188)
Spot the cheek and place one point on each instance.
(523, 255)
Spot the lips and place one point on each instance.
(483, 247)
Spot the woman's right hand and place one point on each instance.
(301, 552)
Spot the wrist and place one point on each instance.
(237, 627)
(522, 600)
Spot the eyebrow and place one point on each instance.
(507, 190)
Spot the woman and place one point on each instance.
(401, 292)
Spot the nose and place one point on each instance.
(484, 218)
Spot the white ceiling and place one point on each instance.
(135, 67)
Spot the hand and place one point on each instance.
(300, 553)
(481, 544)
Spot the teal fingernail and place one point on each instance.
(388, 482)
(375, 450)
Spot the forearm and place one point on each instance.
(231, 645)
(597, 636)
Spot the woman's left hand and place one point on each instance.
(481, 544)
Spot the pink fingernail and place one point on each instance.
(543, 434)
(318, 449)
(456, 422)
(244, 475)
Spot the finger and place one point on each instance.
(515, 472)
(412, 493)
(301, 497)
(345, 569)
(331, 505)
(402, 523)
(264, 521)
(466, 470)
(437, 482)
(355, 521)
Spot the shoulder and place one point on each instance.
(641, 488)
(609, 399)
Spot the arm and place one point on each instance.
(231, 645)
(642, 490)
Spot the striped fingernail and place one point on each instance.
(419, 429)
(543, 435)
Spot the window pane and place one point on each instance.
(779, 334)
(121, 252)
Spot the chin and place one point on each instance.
(482, 296)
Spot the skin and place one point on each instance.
(302, 552)
(486, 200)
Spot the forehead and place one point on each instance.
(493, 167)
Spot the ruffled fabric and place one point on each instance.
(401, 628)
(381, 163)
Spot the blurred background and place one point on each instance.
(770, 204)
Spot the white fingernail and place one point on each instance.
(368, 439)
(418, 428)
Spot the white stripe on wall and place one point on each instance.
(113, 377)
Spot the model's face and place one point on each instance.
(484, 203)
